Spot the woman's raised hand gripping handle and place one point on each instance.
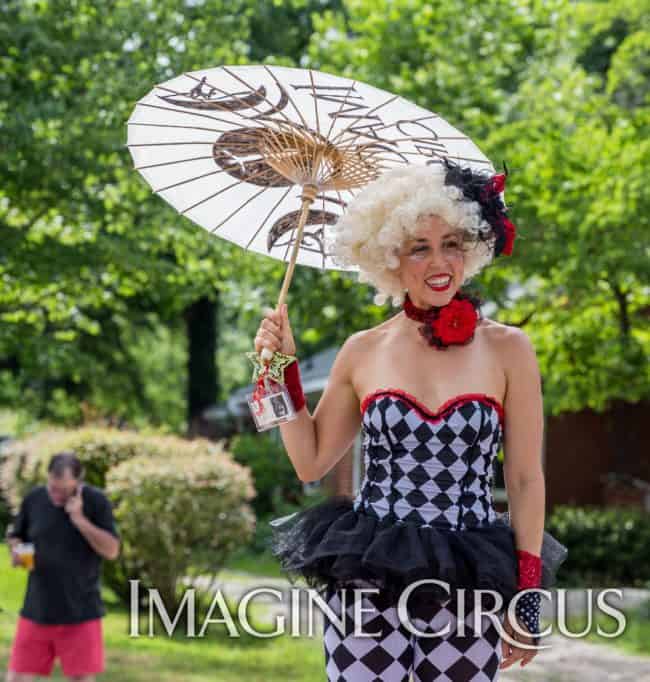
(274, 332)
(314, 443)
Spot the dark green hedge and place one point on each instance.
(608, 547)
(274, 477)
(279, 490)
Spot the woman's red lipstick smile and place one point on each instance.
(439, 282)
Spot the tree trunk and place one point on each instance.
(201, 324)
(623, 312)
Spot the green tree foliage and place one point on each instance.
(460, 58)
(273, 474)
(578, 141)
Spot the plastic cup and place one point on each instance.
(25, 552)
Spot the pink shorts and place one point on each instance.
(79, 646)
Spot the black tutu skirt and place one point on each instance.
(331, 544)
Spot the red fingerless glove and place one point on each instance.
(530, 570)
(294, 386)
(528, 607)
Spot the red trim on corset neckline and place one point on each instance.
(435, 415)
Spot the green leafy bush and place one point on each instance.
(274, 477)
(607, 546)
(279, 491)
(181, 513)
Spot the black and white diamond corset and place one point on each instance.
(424, 508)
(430, 468)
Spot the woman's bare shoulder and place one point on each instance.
(371, 335)
(365, 340)
(503, 338)
(493, 329)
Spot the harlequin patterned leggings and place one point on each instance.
(396, 654)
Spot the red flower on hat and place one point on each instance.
(504, 228)
(510, 236)
(498, 183)
(456, 321)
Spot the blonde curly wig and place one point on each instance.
(385, 214)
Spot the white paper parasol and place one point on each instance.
(240, 150)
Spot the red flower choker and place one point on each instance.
(452, 324)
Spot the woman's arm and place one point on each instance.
(524, 479)
(523, 471)
(315, 443)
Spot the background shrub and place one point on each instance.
(607, 546)
(180, 514)
(274, 477)
(279, 491)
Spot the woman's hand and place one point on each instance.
(513, 653)
(275, 332)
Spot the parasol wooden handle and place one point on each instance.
(308, 195)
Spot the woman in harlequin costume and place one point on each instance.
(437, 390)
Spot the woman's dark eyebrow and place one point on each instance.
(448, 234)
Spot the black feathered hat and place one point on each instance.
(486, 190)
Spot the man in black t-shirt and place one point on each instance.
(71, 526)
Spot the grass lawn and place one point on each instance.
(216, 657)
(258, 564)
